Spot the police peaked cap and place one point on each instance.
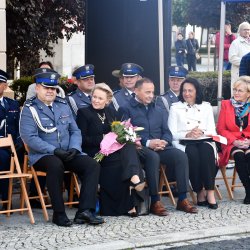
(84, 72)
(3, 76)
(47, 79)
(131, 69)
(178, 72)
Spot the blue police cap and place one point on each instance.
(131, 69)
(84, 72)
(178, 72)
(3, 76)
(47, 79)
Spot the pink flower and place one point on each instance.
(109, 144)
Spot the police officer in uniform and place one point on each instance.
(176, 76)
(9, 124)
(49, 129)
(129, 74)
(81, 97)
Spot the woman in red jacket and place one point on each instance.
(234, 124)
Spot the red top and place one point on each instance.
(227, 42)
(227, 127)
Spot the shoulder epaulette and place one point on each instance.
(71, 93)
(30, 102)
(61, 100)
(116, 91)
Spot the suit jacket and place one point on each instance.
(153, 120)
(227, 127)
(92, 128)
(10, 113)
(183, 118)
(121, 98)
(42, 143)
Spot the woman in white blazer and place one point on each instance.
(191, 118)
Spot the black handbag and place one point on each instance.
(190, 141)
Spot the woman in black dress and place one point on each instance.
(120, 171)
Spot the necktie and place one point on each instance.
(133, 95)
(51, 108)
(89, 97)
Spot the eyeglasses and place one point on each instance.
(240, 91)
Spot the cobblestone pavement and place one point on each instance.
(231, 218)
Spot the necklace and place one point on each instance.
(102, 118)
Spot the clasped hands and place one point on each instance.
(66, 155)
(242, 143)
(157, 144)
(195, 133)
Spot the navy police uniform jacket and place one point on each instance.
(81, 101)
(121, 98)
(66, 136)
(10, 112)
(153, 120)
(169, 99)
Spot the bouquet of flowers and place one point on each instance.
(122, 133)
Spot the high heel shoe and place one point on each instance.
(212, 206)
(202, 203)
(132, 214)
(137, 186)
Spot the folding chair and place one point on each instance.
(15, 173)
(42, 195)
(164, 182)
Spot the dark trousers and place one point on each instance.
(151, 165)
(179, 59)
(84, 166)
(242, 163)
(175, 159)
(191, 61)
(202, 168)
(4, 166)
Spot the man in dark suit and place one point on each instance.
(157, 137)
(9, 124)
(129, 74)
(176, 76)
(81, 97)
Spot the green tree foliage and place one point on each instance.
(206, 14)
(33, 24)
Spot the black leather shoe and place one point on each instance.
(132, 214)
(61, 220)
(202, 203)
(246, 200)
(212, 206)
(87, 217)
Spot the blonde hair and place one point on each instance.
(243, 26)
(104, 87)
(243, 80)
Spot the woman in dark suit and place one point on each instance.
(234, 124)
(120, 171)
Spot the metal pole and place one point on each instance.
(221, 52)
(167, 18)
(3, 65)
(161, 45)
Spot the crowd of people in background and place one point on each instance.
(66, 132)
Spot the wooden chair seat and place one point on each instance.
(164, 182)
(42, 194)
(15, 173)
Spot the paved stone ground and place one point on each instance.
(231, 218)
